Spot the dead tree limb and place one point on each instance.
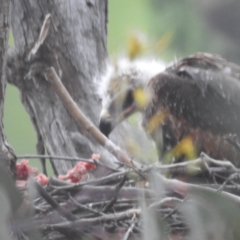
(89, 130)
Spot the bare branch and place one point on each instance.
(28, 156)
(195, 166)
(130, 228)
(82, 121)
(42, 36)
(183, 188)
(54, 204)
(81, 223)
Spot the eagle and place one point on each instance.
(195, 99)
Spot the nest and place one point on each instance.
(130, 203)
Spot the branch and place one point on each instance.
(63, 212)
(106, 193)
(29, 156)
(82, 121)
(183, 188)
(130, 228)
(83, 223)
(60, 185)
(41, 38)
(195, 166)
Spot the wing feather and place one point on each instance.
(203, 90)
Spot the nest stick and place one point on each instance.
(81, 119)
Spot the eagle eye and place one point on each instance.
(128, 99)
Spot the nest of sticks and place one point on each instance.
(198, 199)
(133, 203)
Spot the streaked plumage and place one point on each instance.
(196, 97)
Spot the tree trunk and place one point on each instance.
(76, 47)
(7, 158)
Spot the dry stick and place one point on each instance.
(82, 206)
(42, 36)
(185, 188)
(230, 178)
(115, 198)
(64, 213)
(171, 202)
(130, 228)
(60, 185)
(77, 159)
(204, 159)
(84, 223)
(81, 120)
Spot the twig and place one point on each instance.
(205, 158)
(174, 210)
(230, 178)
(55, 170)
(56, 183)
(84, 223)
(86, 208)
(54, 204)
(97, 163)
(42, 36)
(198, 166)
(114, 200)
(120, 203)
(86, 127)
(29, 156)
(184, 188)
(130, 228)
(168, 201)
(194, 164)
(91, 194)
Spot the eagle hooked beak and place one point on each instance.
(105, 124)
(135, 100)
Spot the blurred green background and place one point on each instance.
(171, 28)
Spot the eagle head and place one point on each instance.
(124, 91)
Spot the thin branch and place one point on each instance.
(205, 158)
(60, 185)
(174, 210)
(41, 38)
(115, 198)
(166, 202)
(84, 223)
(81, 206)
(130, 228)
(229, 179)
(194, 165)
(67, 215)
(183, 188)
(81, 119)
(89, 194)
(77, 159)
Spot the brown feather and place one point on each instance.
(202, 95)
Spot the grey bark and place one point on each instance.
(76, 47)
(7, 158)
